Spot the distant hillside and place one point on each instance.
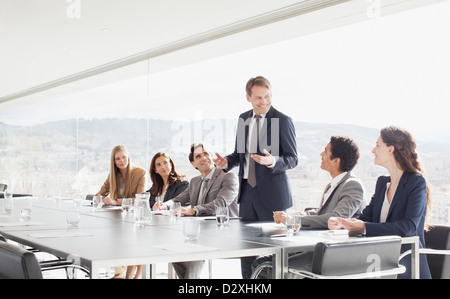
(74, 155)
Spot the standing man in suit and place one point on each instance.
(212, 188)
(344, 195)
(265, 149)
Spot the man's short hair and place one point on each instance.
(257, 81)
(194, 146)
(346, 150)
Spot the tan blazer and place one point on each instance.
(138, 184)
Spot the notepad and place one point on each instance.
(64, 234)
(9, 224)
(185, 248)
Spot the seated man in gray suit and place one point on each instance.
(212, 188)
(344, 195)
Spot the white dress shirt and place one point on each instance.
(334, 182)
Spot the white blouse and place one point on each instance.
(161, 197)
(386, 206)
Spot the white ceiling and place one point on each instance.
(45, 40)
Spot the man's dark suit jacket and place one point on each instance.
(406, 216)
(278, 133)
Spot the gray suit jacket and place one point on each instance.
(346, 201)
(222, 191)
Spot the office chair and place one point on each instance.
(363, 258)
(18, 263)
(438, 239)
(16, 257)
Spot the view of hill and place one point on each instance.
(74, 155)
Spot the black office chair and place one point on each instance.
(363, 258)
(18, 263)
(438, 239)
(18, 255)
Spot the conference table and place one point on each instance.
(109, 237)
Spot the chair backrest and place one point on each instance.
(356, 257)
(18, 263)
(3, 187)
(438, 237)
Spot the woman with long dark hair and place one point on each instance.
(401, 200)
(167, 183)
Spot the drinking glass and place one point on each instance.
(73, 216)
(175, 210)
(158, 201)
(293, 223)
(297, 223)
(8, 202)
(191, 228)
(97, 202)
(127, 204)
(26, 208)
(222, 216)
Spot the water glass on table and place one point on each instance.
(73, 216)
(175, 210)
(293, 223)
(191, 228)
(97, 202)
(127, 204)
(8, 202)
(26, 208)
(222, 216)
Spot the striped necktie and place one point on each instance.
(204, 187)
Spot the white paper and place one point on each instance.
(162, 212)
(9, 224)
(337, 232)
(186, 248)
(265, 225)
(60, 235)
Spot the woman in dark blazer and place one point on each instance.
(401, 200)
(167, 183)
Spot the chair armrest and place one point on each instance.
(426, 251)
(306, 274)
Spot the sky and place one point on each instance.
(392, 70)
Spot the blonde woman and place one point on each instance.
(124, 181)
